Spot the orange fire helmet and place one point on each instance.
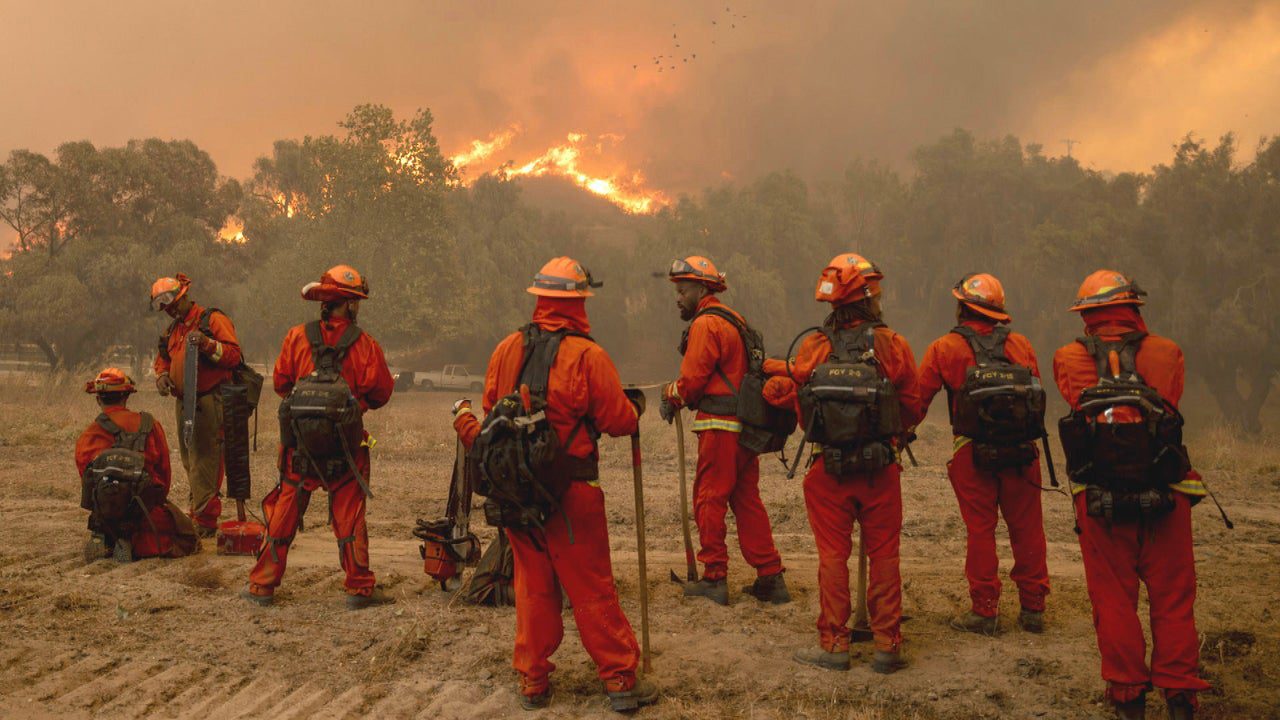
(1104, 288)
(111, 380)
(983, 294)
(340, 282)
(563, 277)
(845, 279)
(168, 290)
(698, 269)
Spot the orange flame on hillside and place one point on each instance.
(232, 231)
(626, 189)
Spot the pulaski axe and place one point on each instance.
(861, 631)
(691, 563)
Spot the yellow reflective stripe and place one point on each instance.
(1186, 487)
(216, 355)
(594, 483)
(958, 442)
(717, 424)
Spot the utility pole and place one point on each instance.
(1070, 143)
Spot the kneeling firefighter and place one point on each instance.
(550, 391)
(996, 405)
(717, 347)
(330, 373)
(1134, 488)
(123, 461)
(854, 384)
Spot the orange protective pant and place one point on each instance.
(984, 495)
(728, 476)
(875, 502)
(346, 513)
(158, 542)
(1157, 552)
(545, 561)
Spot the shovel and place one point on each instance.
(861, 628)
(644, 579)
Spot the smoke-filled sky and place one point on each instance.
(774, 85)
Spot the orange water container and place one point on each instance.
(240, 537)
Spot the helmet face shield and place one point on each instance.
(163, 300)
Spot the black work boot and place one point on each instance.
(377, 597)
(975, 623)
(887, 662)
(95, 548)
(1135, 709)
(259, 600)
(641, 694)
(123, 551)
(536, 701)
(770, 589)
(820, 657)
(1180, 706)
(1031, 621)
(716, 591)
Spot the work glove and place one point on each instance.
(667, 411)
(206, 344)
(463, 404)
(165, 385)
(637, 399)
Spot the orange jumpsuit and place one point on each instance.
(983, 494)
(873, 500)
(147, 541)
(583, 383)
(365, 370)
(204, 462)
(1158, 552)
(728, 475)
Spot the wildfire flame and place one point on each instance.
(232, 231)
(483, 149)
(625, 189)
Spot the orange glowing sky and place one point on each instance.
(803, 87)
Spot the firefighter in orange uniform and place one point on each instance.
(728, 475)
(858, 481)
(1132, 529)
(164, 531)
(219, 355)
(571, 551)
(1006, 484)
(359, 363)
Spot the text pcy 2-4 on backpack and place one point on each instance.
(1125, 440)
(518, 463)
(116, 486)
(321, 419)
(765, 428)
(852, 408)
(1000, 406)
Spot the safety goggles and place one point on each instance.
(682, 267)
(1131, 290)
(553, 282)
(163, 300)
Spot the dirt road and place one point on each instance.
(170, 638)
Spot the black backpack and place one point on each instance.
(116, 483)
(321, 419)
(517, 462)
(765, 428)
(1000, 406)
(852, 407)
(1132, 460)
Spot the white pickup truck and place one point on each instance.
(452, 377)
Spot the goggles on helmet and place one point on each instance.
(164, 299)
(552, 282)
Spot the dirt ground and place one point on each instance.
(171, 638)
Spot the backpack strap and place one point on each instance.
(339, 351)
(1126, 347)
(987, 349)
(741, 326)
(856, 344)
(137, 440)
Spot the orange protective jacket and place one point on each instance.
(214, 369)
(94, 440)
(949, 358)
(364, 368)
(712, 343)
(584, 382)
(891, 350)
(1159, 361)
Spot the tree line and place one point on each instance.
(448, 260)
